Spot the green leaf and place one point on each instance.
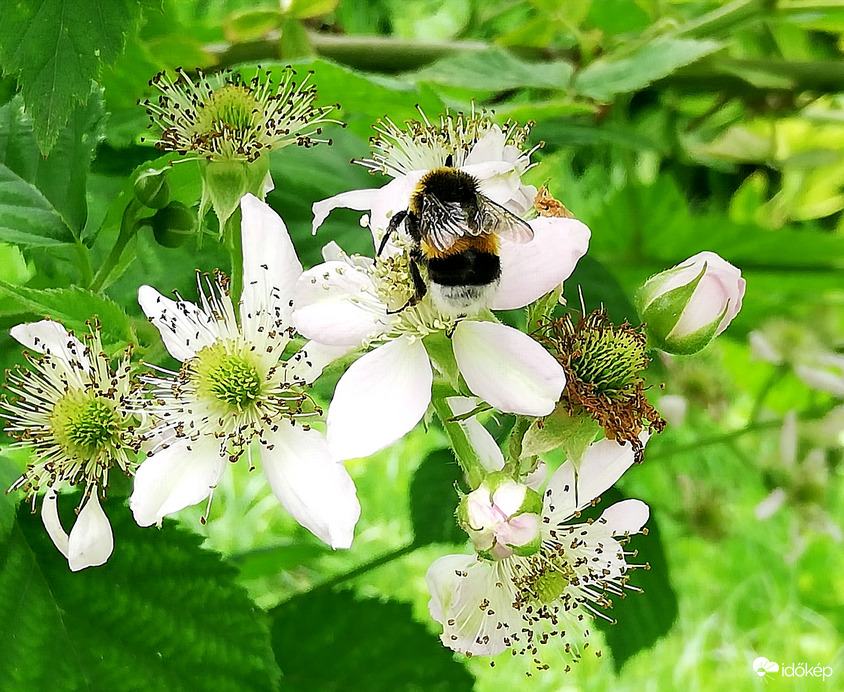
(333, 642)
(642, 618)
(62, 176)
(8, 503)
(161, 615)
(305, 9)
(495, 70)
(73, 307)
(572, 433)
(652, 61)
(433, 497)
(362, 97)
(57, 48)
(26, 216)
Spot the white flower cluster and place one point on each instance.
(539, 569)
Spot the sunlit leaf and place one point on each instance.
(496, 70)
(616, 74)
(73, 307)
(57, 49)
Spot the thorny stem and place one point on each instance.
(465, 453)
(368, 566)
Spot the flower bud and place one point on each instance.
(152, 188)
(502, 517)
(689, 305)
(173, 225)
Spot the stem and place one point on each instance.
(368, 566)
(128, 229)
(517, 436)
(85, 267)
(232, 240)
(813, 414)
(728, 18)
(775, 376)
(465, 453)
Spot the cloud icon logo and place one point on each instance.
(762, 666)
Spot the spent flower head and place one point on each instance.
(70, 409)
(604, 365)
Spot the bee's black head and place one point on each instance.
(449, 185)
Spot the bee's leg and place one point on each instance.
(395, 222)
(419, 286)
(457, 321)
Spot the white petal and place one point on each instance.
(316, 490)
(509, 496)
(627, 516)
(91, 540)
(826, 373)
(484, 444)
(530, 270)
(176, 477)
(270, 264)
(48, 336)
(489, 147)
(51, 521)
(361, 200)
(464, 591)
(382, 396)
(762, 348)
(560, 501)
(393, 198)
(184, 328)
(518, 531)
(336, 304)
(788, 439)
(308, 363)
(536, 478)
(507, 368)
(603, 463)
(771, 504)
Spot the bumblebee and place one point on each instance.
(454, 230)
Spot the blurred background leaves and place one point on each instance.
(669, 127)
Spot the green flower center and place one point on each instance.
(227, 377)
(550, 585)
(85, 424)
(231, 107)
(611, 359)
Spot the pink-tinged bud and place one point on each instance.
(689, 305)
(502, 517)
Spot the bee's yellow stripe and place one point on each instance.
(480, 243)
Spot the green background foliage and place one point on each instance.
(669, 127)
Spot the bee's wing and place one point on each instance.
(443, 222)
(497, 220)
